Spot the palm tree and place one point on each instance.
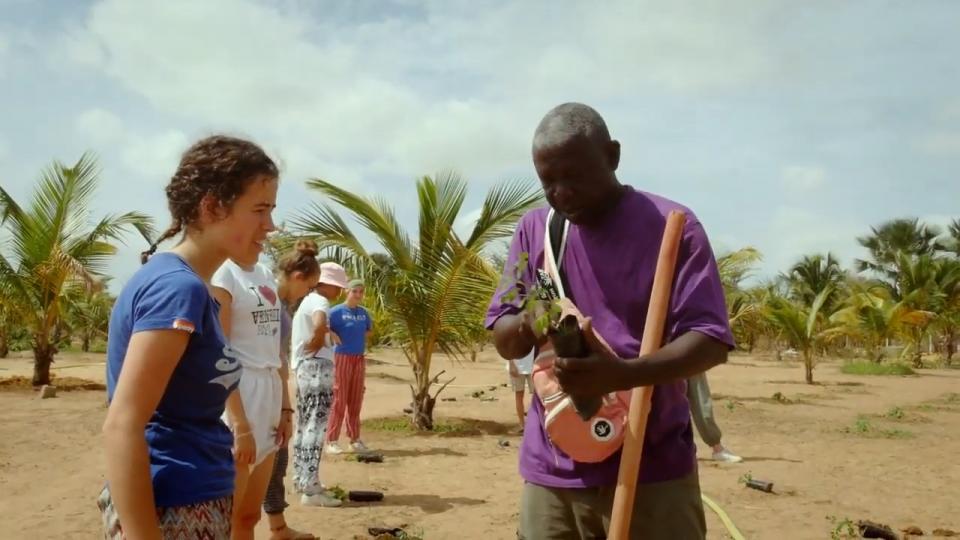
(433, 289)
(9, 319)
(53, 246)
(88, 312)
(886, 242)
(744, 306)
(806, 329)
(737, 266)
(953, 240)
(946, 304)
(814, 274)
(876, 319)
(926, 283)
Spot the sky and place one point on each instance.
(792, 127)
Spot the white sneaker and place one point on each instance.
(324, 499)
(358, 446)
(333, 448)
(726, 456)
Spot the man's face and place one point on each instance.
(578, 177)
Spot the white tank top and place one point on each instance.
(255, 314)
(303, 328)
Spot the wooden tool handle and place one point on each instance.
(640, 399)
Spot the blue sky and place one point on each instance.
(788, 126)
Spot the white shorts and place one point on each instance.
(519, 381)
(261, 392)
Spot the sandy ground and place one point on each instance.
(900, 471)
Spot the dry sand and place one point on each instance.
(902, 471)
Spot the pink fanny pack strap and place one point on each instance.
(586, 441)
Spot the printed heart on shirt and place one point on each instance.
(267, 292)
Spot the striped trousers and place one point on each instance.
(348, 388)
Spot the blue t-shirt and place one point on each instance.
(189, 446)
(352, 325)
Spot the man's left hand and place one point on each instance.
(597, 374)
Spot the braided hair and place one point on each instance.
(220, 166)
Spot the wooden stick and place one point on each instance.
(640, 399)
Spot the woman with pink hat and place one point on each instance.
(312, 359)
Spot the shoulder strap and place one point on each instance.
(557, 229)
(556, 242)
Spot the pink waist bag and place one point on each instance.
(585, 441)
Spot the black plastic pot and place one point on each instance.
(568, 342)
(365, 496)
(760, 485)
(370, 458)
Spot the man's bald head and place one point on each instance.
(568, 121)
(577, 162)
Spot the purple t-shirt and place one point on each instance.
(609, 269)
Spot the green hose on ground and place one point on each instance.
(727, 522)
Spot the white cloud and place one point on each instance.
(941, 143)
(942, 221)
(466, 222)
(100, 127)
(76, 47)
(4, 48)
(952, 109)
(386, 93)
(726, 243)
(802, 179)
(793, 232)
(154, 156)
(371, 95)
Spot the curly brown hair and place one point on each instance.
(218, 165)
(302, 258)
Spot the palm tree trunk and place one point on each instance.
(423, 403)
(5, 345)
(808, 366)
(917, 353)
(85, 346)
(42, 358)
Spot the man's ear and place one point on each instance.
(613, 154)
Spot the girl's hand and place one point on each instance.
(244, 447)
(285, 428)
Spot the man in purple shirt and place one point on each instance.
(608, 263)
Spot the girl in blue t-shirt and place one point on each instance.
(170, 458)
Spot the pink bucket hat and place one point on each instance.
(332, 273)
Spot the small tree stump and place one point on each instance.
(48, 391)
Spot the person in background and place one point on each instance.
(297, 274)
(701, 409)
(312, 361)
(170, 472)
(350, 325)
(250, 318)
(521, 376)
